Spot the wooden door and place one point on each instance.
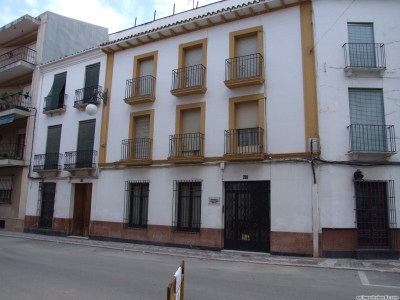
(82, 204)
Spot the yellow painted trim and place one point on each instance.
(140, 99)
(249, 98)
(309, 73)
(146, 56)
(132, 125)
(189, 91)
(249, 81)
(192, 45)
(183, 107)
(243, 33)
(106, 109)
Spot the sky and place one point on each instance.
(116, 15)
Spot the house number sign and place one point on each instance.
(213, 201)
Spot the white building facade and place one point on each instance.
(265, 126)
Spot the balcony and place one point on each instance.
(244, 144)
(49, 162)
(243, 71)
(372, 139)
(11, 154)
(186, 148)
(136, 151)
(83, 160)
(17, 62)
(189, 81)
(364, 57)
(140, 90)
(16, 104)
(88, 95)
(54, 104)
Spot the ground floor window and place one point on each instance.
(187, 216)
(136, 203)
(47, 192)
(375, 214)
(6, 187)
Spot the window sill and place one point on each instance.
(189, 91)
(140, 99)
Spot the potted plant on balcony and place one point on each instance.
(26, 95)
(19, 92)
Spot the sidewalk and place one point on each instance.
(392, 266)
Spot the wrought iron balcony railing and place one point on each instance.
(83, 159)
(12, 151)
(186, 145)
(242, 67)
(244, 141)
(188, 77)
(364, 55)
(88, 95)
(20, 53)
(139, 148)
(54, 102)
(139, 87)
(372, 138)
(14, 101)
(48, 161)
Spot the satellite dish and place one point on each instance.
(91, 109)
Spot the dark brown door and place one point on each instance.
(83, 199)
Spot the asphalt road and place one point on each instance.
(32, 269)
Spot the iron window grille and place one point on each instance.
(45, 207)
(187, 208)
(136, 204)
(244, 141)
(244, 66)
(51, 102)
(6, 188)
(188, 77)
(88, 95)
(141, 86)
(375, 214)
(15, 101)
(364, 55)
(20, 53)
(48, 161)
(186, 145)
(138, 148)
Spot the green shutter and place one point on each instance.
(52, 147)
(85, 143)
(57, 89)
(91, 82)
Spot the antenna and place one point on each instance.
(174, 9)
(154, 15)
(135, 21)
(197, 5)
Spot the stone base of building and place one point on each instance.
(46, 232)
(376, 254)
(208, 238)
(12, 224)
(291, 243)
(60, 225)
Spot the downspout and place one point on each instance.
(33, 139)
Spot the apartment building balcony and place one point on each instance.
(189, 81)
(49, 162)
(364, 57)
(17, 62)
(244, 70)
(15, 105)
(88, 95)
(11, 154)
(136, 151)
(372, 139)
(82, 160)
(244, 144)
(140, 90)
(55, 104)
(186, 148)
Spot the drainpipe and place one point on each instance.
(315, 208)
(33, 139)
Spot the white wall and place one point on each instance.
(283, 88)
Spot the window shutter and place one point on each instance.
(247, 115)
(53, 139)
(86, 135)
(191, 121)
(361, 33)
(366, 107)
(57, 90)
(246, 45)
(194, 57)
(361, 45)
(146, 67)
(142, 127)
(92, 75)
